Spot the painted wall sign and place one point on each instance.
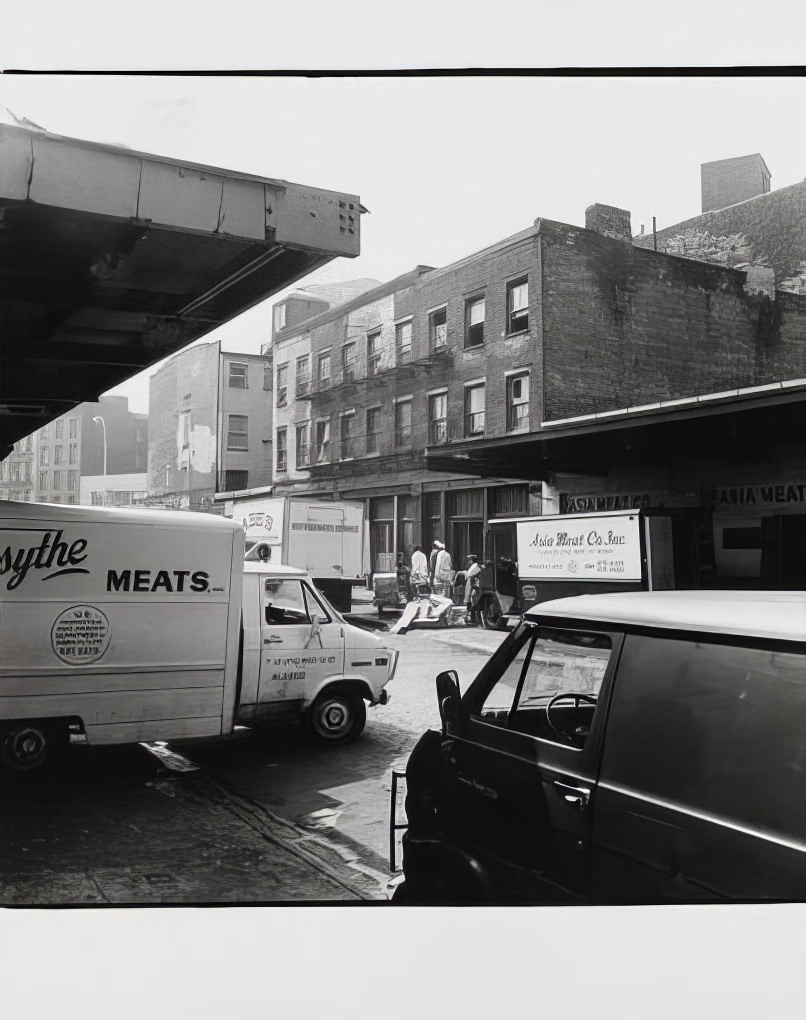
(605, 501)
(758, 495)
(80, 635)
(588, 549)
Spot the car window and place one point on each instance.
(550, 687)
(284, 602)
(713, 726)
(314, 604)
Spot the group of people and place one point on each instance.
(436, 575)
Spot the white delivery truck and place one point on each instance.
(140, 625)
(325, 538)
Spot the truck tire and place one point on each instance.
(25, 748)
(337, 716)
(491, 616)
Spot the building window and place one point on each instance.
(347, 435)
(304, 445)
(72, 425)
(518, 305)
(73, 456)
(43, 480)
(324, 367)
(282, 449)
(403, 342)
(374, 353)
(348, 354)
(373, 429)
(303, 371)
(438, 329)
(238, 377)
(402, 423)
(282, 385)
(44, 456)
(237, 432)
(474, 322)
(474, 410)
(438, 418)
(518, 403)
(235, 480)
(279, 317)
(58, 480)
(72, 481)
(267, 375)
(58, 429)
(323, 441)
(58, 454)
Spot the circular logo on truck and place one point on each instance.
(80, 635)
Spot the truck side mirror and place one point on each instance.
(448, 696)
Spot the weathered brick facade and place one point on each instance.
(624, 326)
(728, 181)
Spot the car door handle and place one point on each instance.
(272, 640)
(579, 795)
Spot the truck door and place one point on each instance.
(522, 766)
(302, 643)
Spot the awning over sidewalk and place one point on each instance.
(111, 260)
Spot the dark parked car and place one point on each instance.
(647, 747)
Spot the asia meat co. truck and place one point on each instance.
(124, 626)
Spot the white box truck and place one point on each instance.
(325, 538)
(140, 625)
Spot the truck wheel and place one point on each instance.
(24, 749)
(491, 616)
(337, 717)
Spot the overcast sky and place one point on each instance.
(445, 166)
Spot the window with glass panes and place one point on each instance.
(282, 385)
(282, 449)
(403, 342)
(374, 353)
(348, 356)
(438, 418)
(517, 305)
(238, 377)
(518, 402)
(347, 435)
(303, 370)
(438, 329)
(373, 429)
(324, 367)
(237, 432)
(474, 410)
(304, 444)
(403, 423)
(323, 441)
(474, 322)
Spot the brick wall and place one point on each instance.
(624, 326)
(725, 182)
(769, 230)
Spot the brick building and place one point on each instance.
(211, 426)
(751, 225)
(563, 368)
(96, 453)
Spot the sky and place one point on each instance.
(445, 166)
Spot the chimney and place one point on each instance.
(610, 221)
(730, 181)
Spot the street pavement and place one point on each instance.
(267, 818)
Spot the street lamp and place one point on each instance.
(98, 418)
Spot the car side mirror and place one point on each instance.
(448, 697)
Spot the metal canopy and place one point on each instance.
(111, 260)
(742, 431)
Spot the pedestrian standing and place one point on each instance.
(472, 590)
(419, 568)
(432, 560)
(443, 573)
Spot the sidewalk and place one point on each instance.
(180, 839)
